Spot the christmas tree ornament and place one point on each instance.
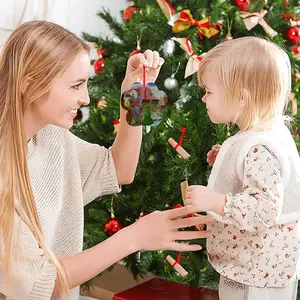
(286, 4)
(194, 60)
(138, 46)
(129, 11)
(98, 65)
(228, 129)
(186, 21)
(178, 146)
(116, 125)
(251, 19)
(168, 47)
(171, 83)
(144, 103)
(293, 35)
(229, 26)
(101, 52)
(101, 104)
(176, 265)
(242, 4)
(112, 225)
(184, 185)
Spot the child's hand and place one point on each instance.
(159, 230)
(212, 154)
(134, 72)
(205, 199)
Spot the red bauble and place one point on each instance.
(293, 35)
(177, 206)
(129, 11)
(101, 52)
(242, 4)
(112, 226)
(136, 51)
(98, 65)
(79, 115)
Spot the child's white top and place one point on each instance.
(66, 173)
(257, 241)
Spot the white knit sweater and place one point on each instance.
(66, 173)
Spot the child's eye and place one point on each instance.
(77, 86)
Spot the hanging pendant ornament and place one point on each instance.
(101, 52)
(178, 146)
(144, 103)
(286, 4)
(168, 47)
(293, 21)
(242, 4)
(171, 83)
(98, 65)
(101, 104)
(229, 26)
(113, 225)
(293, 35)
(138, 46)
(129, 11)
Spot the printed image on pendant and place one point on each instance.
(144, 105)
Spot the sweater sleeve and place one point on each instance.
(33, 276)
(97, 169)
(260, 203)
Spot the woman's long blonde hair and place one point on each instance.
(256, 75)
(36, 54)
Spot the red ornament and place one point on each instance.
(293, 35)
(98, 65)
(101, 52)
(112, 226)
(242, 4)
(129, 11)
(136, 51)
(79, 115)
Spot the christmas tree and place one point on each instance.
(197, 26)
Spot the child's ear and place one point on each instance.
(245, 98)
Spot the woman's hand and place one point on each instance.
(159, 230)
(134, 72)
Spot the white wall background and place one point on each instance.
(75, 15)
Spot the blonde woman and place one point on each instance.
(254, 187)
(47, 174)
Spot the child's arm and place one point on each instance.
(258, 206)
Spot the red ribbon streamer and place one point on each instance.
(177, 262)
(296, 131)
(290, 16)
(182, 130)
(170, 6)
(286, 4)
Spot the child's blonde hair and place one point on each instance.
(36, 54)
(256, 75)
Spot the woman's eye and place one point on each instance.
(77, 86)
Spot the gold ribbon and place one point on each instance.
(186, 20)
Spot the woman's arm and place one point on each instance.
(157, 230)
(127, 145)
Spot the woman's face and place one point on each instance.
(59, 107)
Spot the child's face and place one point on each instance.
(67, 94)
(214, 98)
